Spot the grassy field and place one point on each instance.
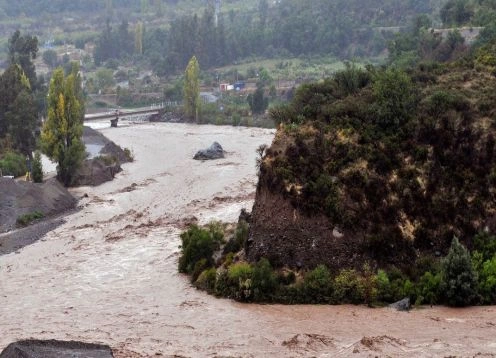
(313, 68)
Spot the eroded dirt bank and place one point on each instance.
(109, 275)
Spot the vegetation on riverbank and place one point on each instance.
(216, 266)
(27, 219)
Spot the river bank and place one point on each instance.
(109, 274)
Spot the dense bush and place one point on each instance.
(460, 279)
(264, 282)
(317, 286)
(429, 289)
(396, 97)
(485, 243)
(240, 278)
(351, 79)
(206, 280)
(198, 244)
(487, 281)
(348, 287)
(12, 163)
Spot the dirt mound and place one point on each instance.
(105, 159)
(55, 349)
(96, 171)
(21, 198)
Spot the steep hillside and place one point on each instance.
(379, 165)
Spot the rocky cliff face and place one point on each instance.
(288, 237)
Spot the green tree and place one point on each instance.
(396, 97)
(459, 279)
(18, 112)
(37, 169)
(456, 12)
(192, 89)
(22, 51)
(61, 135)
(104, 78)
(257, 101)
(50, 58)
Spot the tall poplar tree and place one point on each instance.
(61, 135)
(138, 38)
(192, 89)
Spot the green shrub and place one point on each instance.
(429, 289)
(369, 285)
(487, 281)
(229, 259)
(27, 219)
(442, 101)
(198, 244)
(223, 287)
(263, 281)
(37, 169)
(236, 243)
(14, 164)
(485, 243)
(395, 95)
(240, 278)
(240, 271)
(459, 279)
(317, 285)
(351, 79)
(384, 293)
(206, 280)
(348, 287)
(200, 266)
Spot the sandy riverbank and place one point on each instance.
(109, 274)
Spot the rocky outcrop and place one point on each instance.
(403, 305)
(215, 151)
(287, 237)
(102, 167)
(55, 349)
(96, 171)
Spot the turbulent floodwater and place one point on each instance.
(110, 274)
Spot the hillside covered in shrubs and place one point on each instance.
(380, 183)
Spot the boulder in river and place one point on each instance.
(215, 151)
(55, 349)
(403, 305)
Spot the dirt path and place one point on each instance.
(109, 274)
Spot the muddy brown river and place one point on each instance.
(109, 275)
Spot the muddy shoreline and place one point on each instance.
(15, 240)
(109, 274)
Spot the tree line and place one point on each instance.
(291, 28)
(21, 130)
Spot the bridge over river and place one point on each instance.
(124, 113)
